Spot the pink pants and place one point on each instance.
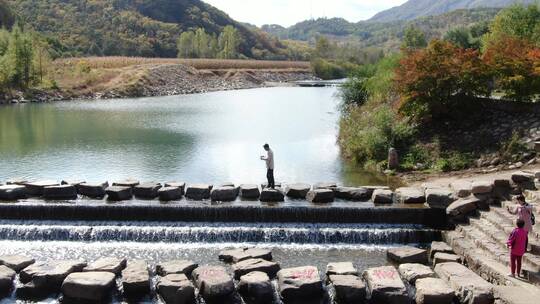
(515, 259)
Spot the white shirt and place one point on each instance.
(270, 159)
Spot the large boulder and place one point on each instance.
(62, 192)
(12, 192)
(411, 272)
(246, 266)
(407, 254)
(382, 196)
(326, 185)
(249, 191)
(119, 193)
(89, 286)
(213, 282)
(439, 247)
(521, 177)
(271, 195)
(36, 188)
(299, 283)
(463, 206)
(240, 254)
(180, 185)
(131, 183)
(320, 196)
(176, 267)
(91, 190)
(441, 257)
(385, 285)
(198, 192)
(433, 291)
(16, 262)
(44, 278)
(167, 194)
(136, 280)
(256, 287)
(146, 190)
(113, 265)
(439, 198)
(409, 195)
(353, 194)
(469, 287)
(298, 191)
(462, 188)
(224, 194)
(348, 288)
(341, 268)
(6, 279)
(176, 289)
(481, 187)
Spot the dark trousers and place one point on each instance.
(270, 177)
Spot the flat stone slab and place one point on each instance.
(441, 257)
(271, 195)
(439, 247)
(382, 196)
(341, 268)
(481, 187)
(298, 191)
(325, 185)
(62, 192)
(119, 193)
(409, 195)
(256, 286)
(198, 192)
(112, 265)
(176, 267)
(16, 181)
(433, 291)
(250, 265)
(249, 191)
(463, 206)
(320, 196)
(6, 279)
(168, 194)
(176, 289)
(411, 272)
(520, 177)
(467, 285)
(147, 190)
(353, 194)
(439, 198)
(241, 254)
(16, 262)
(299, 283)
(180, 185)
(349, 288)
(44, 278)
(92, 190)
(12, 192)
(90, 286)
(136, 279)
(385, 285)
(224, 194)
(126, 183)
(276, 184)
(36, 188)
(462, 188)
(213, 282)
(407, 254)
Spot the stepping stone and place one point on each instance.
(12, 192)
(75, 183)
(353, 194)
(237, 189)
(180, 185)
(224, 194)
(198, 192)
(271, 195)
(299, 283)
(439, 198)
(320, 196)
(439, 247)
(433, 291)
(168, 194)
(256, 286)
(213, 282)
(176, 289)
(119, 193)
(463, 206)
(265, 185)
(62, 192)
(349, 288)
(6, 279)
(246, 266)
(131, 183)
(241, 254)
(176, 267)
(136, 280)
(409, 195)
(93, 190)
(16, 181)
(16, 262)
(462, 188)
(89, 286)
(521, 177)
(407, 254)
(298, 191)
(36, 188)
(441, 257)
(411, 272)
(329, 186)
(147, 190)
(249, 191)
(467, 285)
(481, 187)
(382, 196)
(341, 268)
(112, 265)
(385, 285)
(45, 278)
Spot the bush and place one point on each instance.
(353, 92)
(328, 70)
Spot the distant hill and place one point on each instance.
(413, 9)
(147, 28)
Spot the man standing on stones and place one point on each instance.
(269, 166)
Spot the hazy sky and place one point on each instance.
(289, 12)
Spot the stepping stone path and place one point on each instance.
(62, 192)
(320, 196)
(36, 188)
(468, 286)
(382, 196)
(439, 198)
(298, 191)
(180, 185)
(119, 193)
(353, 194)
(112, 265)
(385, 285)
(44, 278)
(198, 192)
(213, 282)
(224, 194)
(441, 257)
(168, 194)
(329, 186)
(439, 247)
(249, 191)
(12, 192)
(411, 272)
(127, 183)
(271, 195)
(341, 268)
(348, 288)
(299, 283)
(407, 254)
(237, 255)
(89, 286)
(408, 195)
(136, 279)
(147, 191)
(6, 279)
(16, 262)
(176, 289)
(176, 267)
(256, 286)
(433, 291)
(250, 265)
(93, 190)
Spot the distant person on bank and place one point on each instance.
(524, 212)
(269, 159)
(517, 243)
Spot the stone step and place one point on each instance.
(506, 221)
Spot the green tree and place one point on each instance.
(460, 36)
(201, 43)
(229, 42)
(19, 58)
(323, 47)
(517, 21)
(186, 45)
(414, 38)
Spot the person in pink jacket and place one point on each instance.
(517, 243)
(523, 211)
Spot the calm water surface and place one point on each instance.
(213, 138)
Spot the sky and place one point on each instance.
(289, 12)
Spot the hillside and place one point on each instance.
(6, 16)
(413, 9)
(131, 27)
